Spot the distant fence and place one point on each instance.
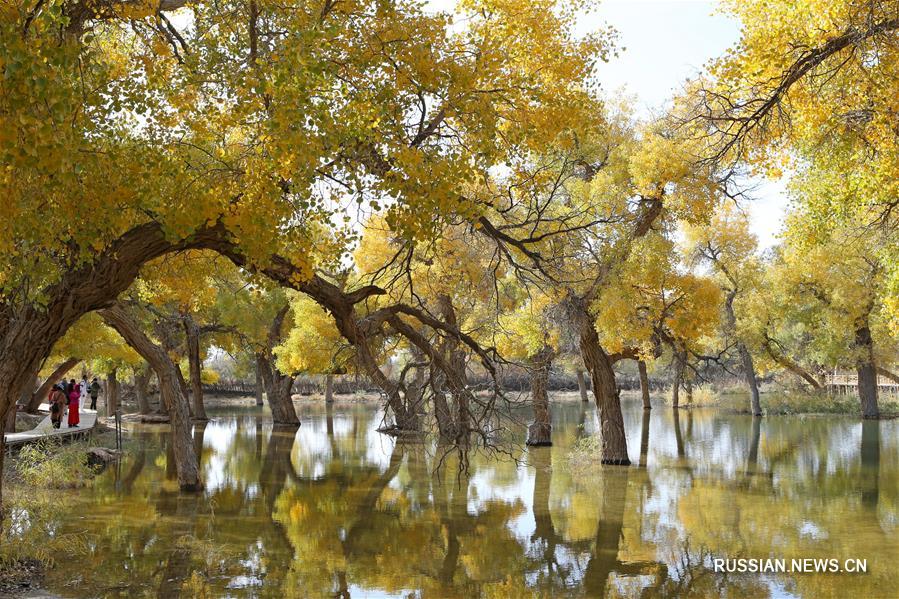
(850, 379)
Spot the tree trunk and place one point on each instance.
(605, 389)
(745, 356)
(678, 436)
(278, 392)
(192, 332)
(867, 371)
(141, 382)
(582, 385)
(790, 365)
(40, 395)
(751, 380)
(329, 388)
(112, 393)
(540, 431)
(644, 384)
(676, 382)
(455, 357)
(170, 390)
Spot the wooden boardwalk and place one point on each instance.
(848, 380)
(45, 430)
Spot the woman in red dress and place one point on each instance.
(74, 396)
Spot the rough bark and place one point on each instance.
(329, 388)
(192, 333)
(278, 385)
(605, 389)
(745, 357)
(540, 431)
(644, 384)
(867, 371)
(582, 385)
(182, 443)
(790, 365)
(455, 358)
(112, 393)
(141, 383)
(39, 396)
(278, 392)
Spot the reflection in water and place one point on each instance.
(334, 509)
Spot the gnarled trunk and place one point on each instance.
(278, 392)
(39, 396)
(540, 431)
(644, 384)
(141, 383)
(745, 357)
(867, 371)
(278, 386)
(170, 390)
(608, 402)
(192, 332)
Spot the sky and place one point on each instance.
(664, 43)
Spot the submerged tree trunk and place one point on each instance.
(745, 357)
(278, 392)
(141, 384)
(605, 389)
(644, 384)
(40, 395)
(329, 388)
(278, 385)
(582, 385)
(170, 390)
(192, 332)
(540, 431)
(867, 371)
(676, 382)
(455, 357)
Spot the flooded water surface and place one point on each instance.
(335, 509)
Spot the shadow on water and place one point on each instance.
(332, 508)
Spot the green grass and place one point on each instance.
(784, 402)
(49, 464)
(30, 538)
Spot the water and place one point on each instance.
(338, 510)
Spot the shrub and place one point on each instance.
(50, 464)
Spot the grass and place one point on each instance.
(780, 401)
(52, 465)
(30, 537)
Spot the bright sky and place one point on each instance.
(665, 42)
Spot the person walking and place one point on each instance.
(94, 392)
(57, 405)
(83, 390)
(74, 398)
